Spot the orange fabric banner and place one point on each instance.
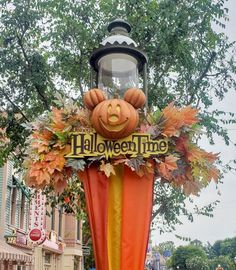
(136, 215)
(119, 210)
(96, 192)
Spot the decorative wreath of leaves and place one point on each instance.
(185, 165)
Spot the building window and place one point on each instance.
(60, 211)
(53, 219)
(22, 211)
(13, 205)
(78, 230)
(19, 267)
(47, 258)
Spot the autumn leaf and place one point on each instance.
(40, 146)
(145, 169)
(196, 154)
(211, 157)
(181, 144)
(189, 115)
(55, 161)
(173, 121)
(214, 174)
(191, 187)
(66, 199)
(176, 118)
(60, 185)
(58, 124)
(165, 167)
(107, 168)
(38, 175)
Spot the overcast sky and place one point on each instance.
(223, 224)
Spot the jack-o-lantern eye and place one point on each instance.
(109, 109)
(118, 109)
(114, 110)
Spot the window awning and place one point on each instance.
(10, 253)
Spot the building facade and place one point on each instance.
(62, 248)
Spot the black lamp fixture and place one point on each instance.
(118, 61)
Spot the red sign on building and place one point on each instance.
(37, 218)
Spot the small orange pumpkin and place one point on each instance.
(136, 97)
(93, 97)
(114, 118)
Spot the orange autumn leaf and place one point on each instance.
(195, 154)
(189, 115)
(214, 174)
(107, 168)
(173, 123)
(211, 157)
(170, 162)
(56, 161)
(181, 144)
(66, 199)
(40, 146)
(145, 169)
(166, 166)
(58, 123)
(176, 118)
(38, 174)
(44, 135)
(191, 187)
(60, 185)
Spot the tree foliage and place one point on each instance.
(45, 47)
(226, 247)
(199, 256)
(224, 261)
(183, 255)
(197, 263)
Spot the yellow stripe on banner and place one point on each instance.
(115, 218)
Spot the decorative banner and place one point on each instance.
(119, 209)
(137, 144)
(37, 217)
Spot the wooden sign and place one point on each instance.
(137, 144)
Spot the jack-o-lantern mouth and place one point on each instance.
(112, 128)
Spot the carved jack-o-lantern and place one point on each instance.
(113, 118)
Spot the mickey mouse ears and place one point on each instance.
(93, 97)
(134, 96)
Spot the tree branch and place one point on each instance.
(201, 77)
(159, 210)
(40, 94)
(14, 105)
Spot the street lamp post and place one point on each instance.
(118, 61)
(120, 236)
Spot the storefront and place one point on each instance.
(55, 256)
(12, 258)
